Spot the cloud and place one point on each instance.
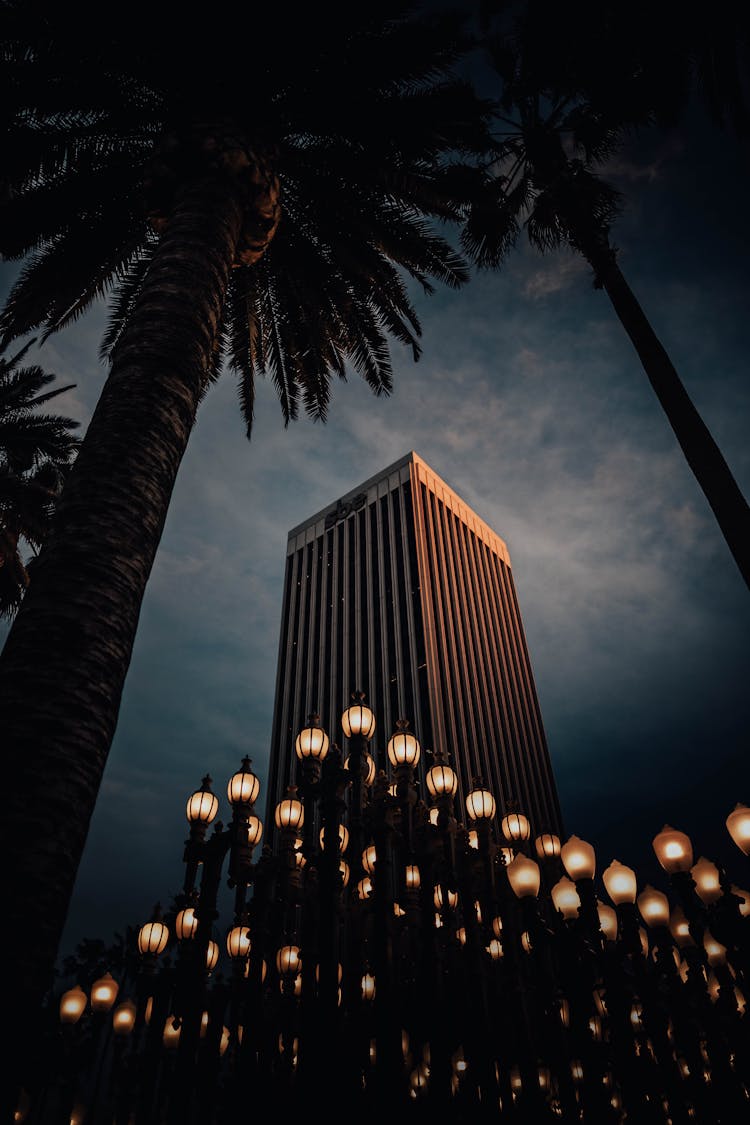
(559, 273)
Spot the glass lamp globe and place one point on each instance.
(607, 920)
(738, 826)
(403, 746)
(358, 720)
(547, 846)
(370, 769)
(707, 880)
(480, 804)
(654, 906)
(369, 859)
(566, 898)
(342, 839)
(579, 858)
(254, 830)
(288, 960)
(673, 850)
(73, 1004)
(312, 741)
(186, 924)
(104, 993)
(238, 942)
(515, 827)
(202, 805)
(243, 787)
(123, 1018)
(290, 812)
(153, 938)
(524, 876)
(441, 780)
(620, 882)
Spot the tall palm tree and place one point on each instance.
(562, 111)
(250, 194)
(36, 450)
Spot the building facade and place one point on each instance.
(401, 591)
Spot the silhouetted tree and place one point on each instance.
(253, 188)
(573, 84)
(36, 450)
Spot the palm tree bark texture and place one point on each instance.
(88, 589)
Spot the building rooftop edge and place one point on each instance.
(365, 484)
(410, 457)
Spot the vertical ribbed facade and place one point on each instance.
(400, 590)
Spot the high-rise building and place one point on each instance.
(400, 590)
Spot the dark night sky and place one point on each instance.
(530, 402)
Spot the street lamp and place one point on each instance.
(433, 971)
(738, 826)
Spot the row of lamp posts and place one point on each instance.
(387, 958)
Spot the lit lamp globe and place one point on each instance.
(369, 859)
(607, 920)
(341, 839)
(716, 953)
(515, 827)
(673, 850)
(707, 880)
(186, 924)
(620, 882)
(495, 949)
(202, 805)
(254, 830)
(369, 770)
(441, 780)
(480, 804)
(358, 720)
(524, 877)
(123, 1018)
(238, 942)
(152, 938)
(288, 961)
(744, 897)
(171, 1034)
(654, 906)
(579, 858)
(212, 955)
(104, 993)
(738, 826)
(289, 813)
(547, 846)
(368, 986)
(73, 1004)
(243, 786)
(412, 876)
(566, 898)
(679, 927)
(403, 747)
(312, 741)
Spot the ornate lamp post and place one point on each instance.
(448, 974)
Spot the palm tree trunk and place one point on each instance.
(701, 451)
(64, 663)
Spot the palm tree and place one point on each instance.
(561, 115)
(36, 450)
(253, 196)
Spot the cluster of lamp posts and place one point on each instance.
(672, 848)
